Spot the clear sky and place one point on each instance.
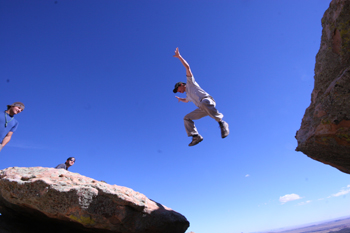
(97, 78)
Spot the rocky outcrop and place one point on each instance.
(38, 199)
(324, 134)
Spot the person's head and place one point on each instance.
(70, 161)
(15, 108)
(180, 87)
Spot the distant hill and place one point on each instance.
(333, 226)
(345, 230)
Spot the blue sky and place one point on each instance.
(97, 77)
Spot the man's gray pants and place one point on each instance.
(206, 108)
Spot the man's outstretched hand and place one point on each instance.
(177, 53)
(181, 99)
(184, 62)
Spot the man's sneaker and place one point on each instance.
(195, 140)
(224, 129)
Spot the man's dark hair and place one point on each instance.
(70, 158)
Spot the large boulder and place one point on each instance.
(324, 134)
(38, 199)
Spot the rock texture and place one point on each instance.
(324, 134)
(38, 199)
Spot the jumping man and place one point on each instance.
(204, 102)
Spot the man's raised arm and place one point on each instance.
(184, 62)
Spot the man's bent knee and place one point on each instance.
(186, 118)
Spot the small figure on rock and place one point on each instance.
(205, 103)
(8, 124)
(70, 162)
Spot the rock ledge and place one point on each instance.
(38, 199)
(324, 134)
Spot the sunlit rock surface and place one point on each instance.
(324, 134)
(38, 199)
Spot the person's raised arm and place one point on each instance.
(184, 62)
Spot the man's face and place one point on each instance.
(71, 161)
(15, 110)
(181, 88)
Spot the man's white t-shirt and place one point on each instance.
(194, 92)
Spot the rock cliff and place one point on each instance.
(38, 199)
(324, 134)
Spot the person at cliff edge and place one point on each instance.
(70, 162)
(8, 124)
(205, 103)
